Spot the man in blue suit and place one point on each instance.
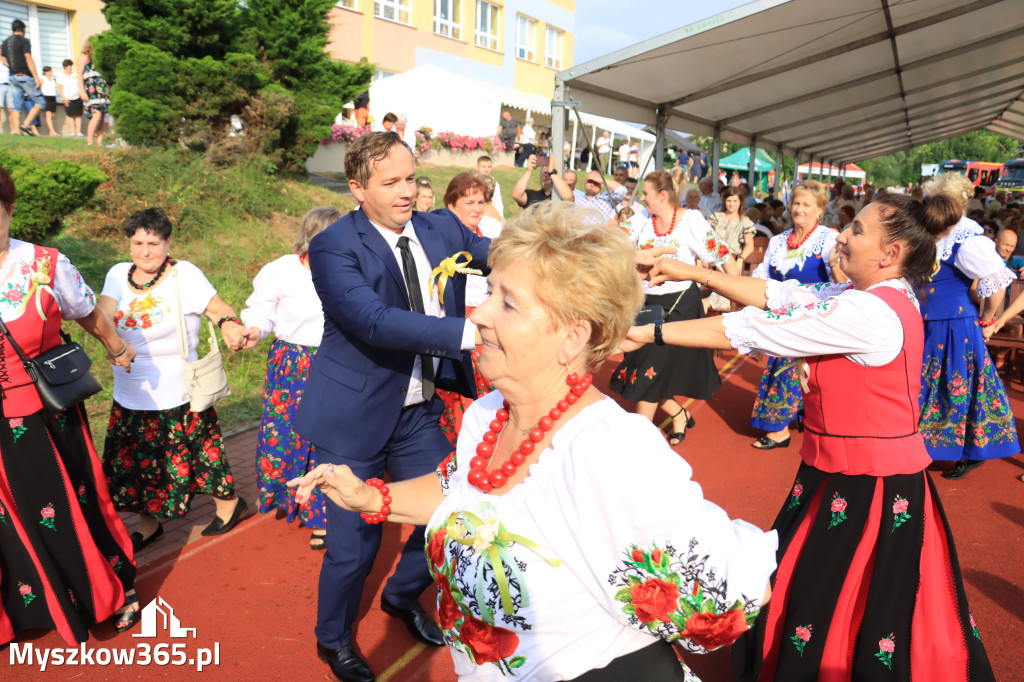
(369, 401)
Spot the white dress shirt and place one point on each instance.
(431, 303)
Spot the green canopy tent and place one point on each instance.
(740, 161)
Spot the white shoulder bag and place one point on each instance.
(205, 379)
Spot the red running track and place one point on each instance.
(252, 593)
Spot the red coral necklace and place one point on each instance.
(478, 474)
(789, 239)
(654, 222)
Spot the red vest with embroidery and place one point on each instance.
(863, 420)
(33, 336)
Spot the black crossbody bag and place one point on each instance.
(61, 374)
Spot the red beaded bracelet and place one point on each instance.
(385, 508)
(990, 323)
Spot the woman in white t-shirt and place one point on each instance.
(69, 92)
(284, 302)
(466, 199)
(158, 454)
(548, 565)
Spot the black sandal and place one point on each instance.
(766, 443)
(318, 541)
(680, 436)
(124, 619)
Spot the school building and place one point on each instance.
(517, 44)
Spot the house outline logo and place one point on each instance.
(171, 624)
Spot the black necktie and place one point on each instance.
(416, 302)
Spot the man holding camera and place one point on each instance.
(548, 179)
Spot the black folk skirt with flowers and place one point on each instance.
(868, 587)
(65, 557)
(156, 461)
(653, 373)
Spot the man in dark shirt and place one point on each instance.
(548, 178)
(17, 55)
(508, 130)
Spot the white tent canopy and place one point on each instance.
(834, 82)
(446, 101)
(850, 171)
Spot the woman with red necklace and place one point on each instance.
(803, 253)
(158, 454)
(466, 199)
(653, 376)
(547, 567)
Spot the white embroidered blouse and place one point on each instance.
(692, 237)
(18, 295)
(806, 320)
(779, 256)
(977, 257)
(284, 301)
(577, 565)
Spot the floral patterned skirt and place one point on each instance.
(779, 398)
(868, 587)
(964, 409)
(157, 460)
(653, 373)
(65, 557)
(281, 453)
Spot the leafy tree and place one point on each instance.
(182, 71)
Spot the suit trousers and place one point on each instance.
(415, 448)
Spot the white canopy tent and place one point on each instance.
(446, 101)
(847, 171)
(832, 82)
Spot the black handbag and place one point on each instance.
(61, 374)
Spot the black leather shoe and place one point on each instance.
(345, 664)
(218, 527)
(416, 619)
(962, 468)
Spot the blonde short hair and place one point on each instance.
(955, 186)
(581, 270)
(313, 223)
(489, 184)
(815, 189)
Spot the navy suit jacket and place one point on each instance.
(358, 380)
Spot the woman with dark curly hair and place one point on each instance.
(159, 454)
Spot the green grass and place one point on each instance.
(228, 221)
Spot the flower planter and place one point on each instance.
(328, 158)
(459, 159)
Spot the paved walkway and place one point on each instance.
(251, 594)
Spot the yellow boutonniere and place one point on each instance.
(448, 268)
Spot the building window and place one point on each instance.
(526, 38)
(553, 51)
(347, 4)
(448, 18)
(48, 30)
(487, 30)
(381, 75)
(392, 10)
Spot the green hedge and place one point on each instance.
(47, 193)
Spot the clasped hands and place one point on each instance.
(236, 337)
(652, 266)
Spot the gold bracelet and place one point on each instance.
(707, 282)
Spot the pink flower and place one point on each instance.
(838, 504)
(798, 490)
(81, 489)
(47, 512)
(973, 623)
(900, 506)
(803, 633)
(16, 422)
(886, 645)
(25, 589)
